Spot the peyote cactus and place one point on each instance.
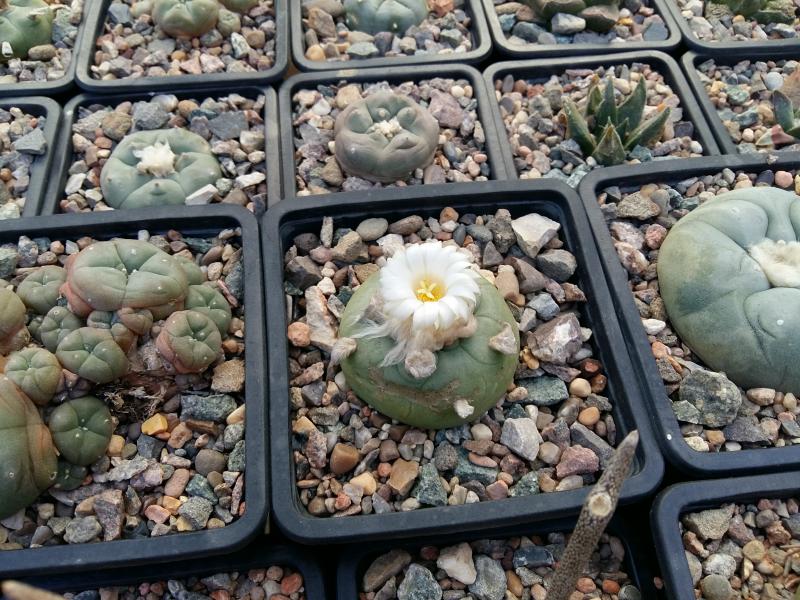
(185, 18)
(729, 275)
(69, 476)
(156, 168)
(13, 333)
(385, 137)
(208, 301)
(600, 15)
(240, 6)
(40, 290)
(36, 372)
(23, 25)
(92, 354)
(615, 130)
(190, 341)
(138, 320)
(374, 16)
(101, 319)
(55, 326)
(763, 11)
(27, 455)
(81, 430)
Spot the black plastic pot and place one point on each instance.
(38, 106)
(353, 565)
(482, 46)
(500, 39)
(677, 452)
(95, 20)
(63, 155)
(542, 69)
(288, 219)
(130, 553)
(258, 555)
(394, 75)
(683, 498)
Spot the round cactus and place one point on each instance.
(92, 354)
(138, 320)
(208, 301)
(23, 25)
(27, 456)
(36, 372)
(121, 273)
(13, 333)
(190, 341)
(69, 476)
(374, 16)
(40, 290)
(81, 430)
(156, 168)
(470, 369)
(240, 6)
(194, 274)
(729, 274)
(385, 137)
(55, 326)
(185, 18)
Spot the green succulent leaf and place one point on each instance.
(81, 430)
(784, 111)
(577, 128)
(36, 372)
(649, 131)
(610, 150)
(607, 111)
(631, 110)
(595, 98)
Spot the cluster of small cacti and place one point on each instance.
(374, 16)
(763, 11)
(88, 318)
(23, 25)
(607, 131)
(193, 18)
(600, 15)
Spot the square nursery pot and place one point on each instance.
(541, 70)
(96, 19)
(50, 111)
(127, 553)
(257, 555)
(695, 464)
(61, 84)
(289, 219)
(64, 155)
(501, 41)
(692, 60)
(481, 46)
(394, 76)
(678, 500)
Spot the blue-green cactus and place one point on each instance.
(81, 430)
(92, 354)
(36, 372)
(374, 16)
(40, 290)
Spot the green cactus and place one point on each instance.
(55, 326)
(190, 341)
(185, 18)
(240, 6)
(208, 301)
(194, 274)
(27, 456)
(762, 11)
(92, 354)
(124, 337)
(81, 430)
(138, 320)
(13, 333)
(615, 130)
(787, 114)
(23, 25)
(40, 290)
(385, 137)
(69, 476)
(36, 372)
(374, 16)
(156, 168)
(467, 370)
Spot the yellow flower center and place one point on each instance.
(429, 291)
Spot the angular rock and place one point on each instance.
(419, 584)
(384, 568)
(490, 582)
(457, 562)
(533, 232)
(522, 437)
(558, 340)
(715, 396)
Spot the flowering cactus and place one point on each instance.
(13, 333)
(240, 6)
(156, 168)
(92, 354)
(185, 18)
(190, 341)
(374, 16)
(55, 326)
(36, 372)
(208, 301)
(385, 137)
(81, 430)
(27, 456)
(40, 290)
(23, 25)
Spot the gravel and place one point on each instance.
(723, 26)
(22, 143)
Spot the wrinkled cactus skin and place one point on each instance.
(138, 320)
(23, 27)
(374, 16)
(185, 18)
(81, 430)
(240, 6)
(92, 354)
(362, 149)
(39, 290)
(55, 326)
(718, 298)
(69, 476)
(27, 456)
(208, 301)
(124, 186)
(190, 341)
(13, 333)
(469, 369)
(36, 372)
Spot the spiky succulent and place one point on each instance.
(40, 290)
(190, 341)
(13, 333)
(23, 25)
(92, 354)
(55, 326)
(81, 430)
(607, 131)
(36, 372)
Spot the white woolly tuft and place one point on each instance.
(157, 160)
(780, 262)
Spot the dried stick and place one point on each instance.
(596, 513)
(14, 590)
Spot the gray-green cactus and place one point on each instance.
(763, 11)
(23, 25)
(27, 455)
(194, 274)
(92, 354)
(240, 6)
(40, 290)
(138, 320)
(124, 337)
(81, 430)
(185, 18)
(55, 326)
(156, 168)
(208, 301)
(729, 275)
(36, 372)
(385, 137)
(607, 131)
(69, 476)
(190, 341)
(13, 333)
(374, 16)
